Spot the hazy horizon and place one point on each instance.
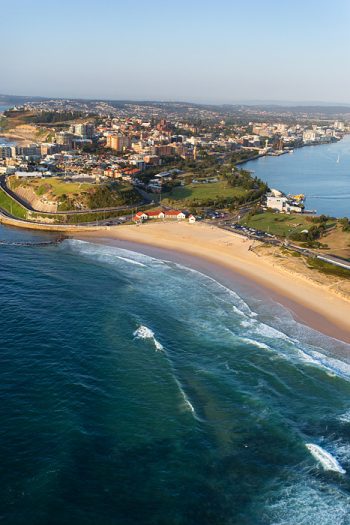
(287, 103)
(202, 53)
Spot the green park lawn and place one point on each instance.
(8, 204)
(278, 224)
(197, 192)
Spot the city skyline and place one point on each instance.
(204, 53)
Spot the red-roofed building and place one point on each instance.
(156, 214)
(140, 216)
(174, 214)
(159, 214)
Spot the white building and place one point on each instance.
(309, 135)
(277, 201)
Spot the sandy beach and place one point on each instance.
(319, 301)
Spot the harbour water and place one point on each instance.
(5, 141)
(4, 108)
(322, 173)
(137, 391)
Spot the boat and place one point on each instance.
(338, 159)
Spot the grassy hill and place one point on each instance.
(76, 196)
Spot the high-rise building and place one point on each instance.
(85, 130)
(5, 152)
(118, 142)
(65, 139)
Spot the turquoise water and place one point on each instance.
(138, 391)
(314, 171)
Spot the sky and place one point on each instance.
(221, 51)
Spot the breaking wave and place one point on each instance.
(143, 332)
(326, 459)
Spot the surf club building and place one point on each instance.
(174, 215)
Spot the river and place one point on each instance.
(322, 173)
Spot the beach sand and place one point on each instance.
(316, 300)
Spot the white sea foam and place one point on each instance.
(187, 402)
(307, 501)
(269, 332)
(241, 307)
(131, 261)
(109, 253)
(326, 459)
(345, 418)
(143, 332)
(334, 367)
(254, 342)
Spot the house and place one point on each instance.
(140, 216)
(191, 219)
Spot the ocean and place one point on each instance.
(136, 390)
(321, 172)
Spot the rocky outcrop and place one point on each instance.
(29, 196)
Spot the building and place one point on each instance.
(118, 142)
(63, 138)
(309, 135)
(276, 200)
(5, 152)
(159, 214)
(85, 131)
(163, 151)
(28, 175)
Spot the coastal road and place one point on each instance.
(273, 241)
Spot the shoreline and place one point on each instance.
(226, 257)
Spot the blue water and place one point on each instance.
(4, 108)
(314, 171)
(137, 391)
(5, 141)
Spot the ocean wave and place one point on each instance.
(333, 366)
(269, 332)
(254, 342)
(255, 330)
(345, 417)
(308, 501)
(131, 261)
(108, 253)
(240, 307)
(296, 349)
(187, 402)
(143, 332)
(326, 459)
